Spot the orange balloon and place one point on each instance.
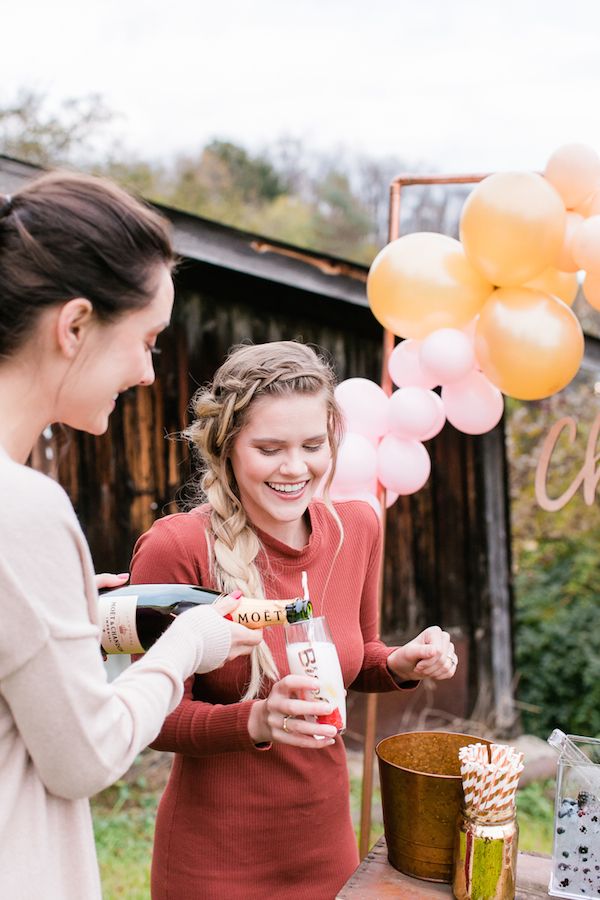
(590, 206)
(529, 344)
(574, 170)
(585, 245)
(593, 204)
(563, 285)
(591, 290)
(423, 281)
(512, 227)
(564, 261)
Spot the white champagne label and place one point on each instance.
(117, 618)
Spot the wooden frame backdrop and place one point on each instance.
(389, 340)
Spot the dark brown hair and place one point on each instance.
(66, 235)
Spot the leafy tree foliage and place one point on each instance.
(330, 204)
(557, 629)
(29, 130)
(556, 570)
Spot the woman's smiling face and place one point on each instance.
(278, 459)
(113, 358)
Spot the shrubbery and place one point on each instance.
(557, 638)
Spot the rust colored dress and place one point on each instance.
(244, 822)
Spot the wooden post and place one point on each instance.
(386, 384)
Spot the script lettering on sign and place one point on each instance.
(588, 476)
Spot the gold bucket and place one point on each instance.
(422, 797)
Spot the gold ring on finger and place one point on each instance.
(285, 721)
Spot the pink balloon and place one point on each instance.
(565, 261)
(440, 420)
(585, 245)
(448, 354)
(371, 499)
(390, 498)
(412, 413)
(473, 405)
(356, 468)
(364, 405)
(403, 466)
(405, 368)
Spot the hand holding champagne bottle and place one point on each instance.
(243, 639)
(133, 617)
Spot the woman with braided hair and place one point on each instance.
(255, 807)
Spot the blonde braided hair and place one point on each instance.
(220, 412)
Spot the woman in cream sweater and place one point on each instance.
(85, 289)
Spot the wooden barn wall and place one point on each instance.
(440, 543)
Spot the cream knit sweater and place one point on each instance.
(65, 732)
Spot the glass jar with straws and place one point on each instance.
(486, 845)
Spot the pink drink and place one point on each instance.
(310, 651)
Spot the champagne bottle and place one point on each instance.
(133, 617)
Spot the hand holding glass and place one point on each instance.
(311, 651)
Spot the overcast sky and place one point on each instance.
(451, 85)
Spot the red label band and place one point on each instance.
(334, 718)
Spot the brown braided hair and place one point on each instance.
(220, 410)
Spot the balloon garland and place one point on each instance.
(481, 318)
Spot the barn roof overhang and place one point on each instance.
(204, 241)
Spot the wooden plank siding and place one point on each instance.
(438, 541)
(447, 547)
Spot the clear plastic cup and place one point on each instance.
(311, 651)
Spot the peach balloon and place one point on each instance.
(591, 290)
(564, 260)
(563, 285)
(529, 344)
(590, 206)
(512, 227)
(574, 170)
(469, 328)
(586, 245)
(424, 281)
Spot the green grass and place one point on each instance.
(376, 814)
(124, 830)
(535, 814)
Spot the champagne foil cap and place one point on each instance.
(299, 610)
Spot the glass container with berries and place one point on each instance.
(576, 853)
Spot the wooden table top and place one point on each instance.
(376, 879)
